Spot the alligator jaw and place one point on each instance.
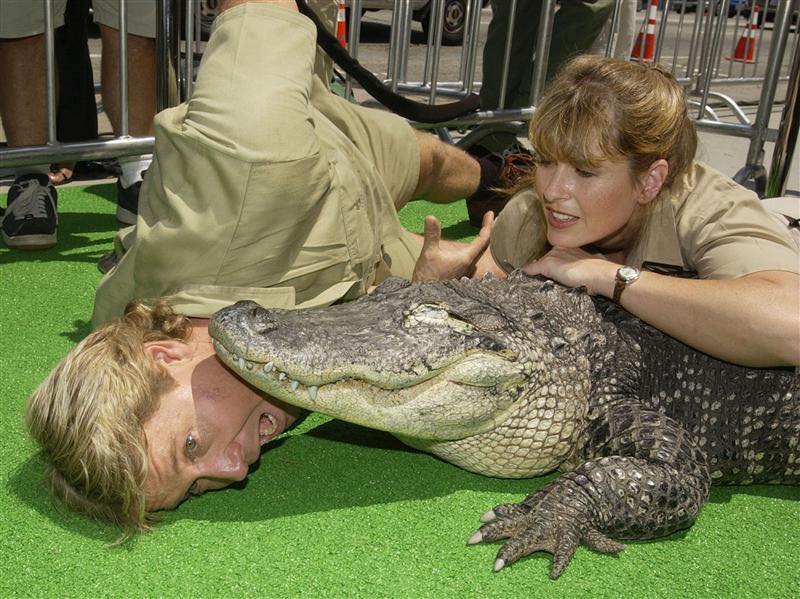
(422, 408)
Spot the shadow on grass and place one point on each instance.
(82, 236)
(80, 330)
(726, 493)
(340, 466)
(459, 231)
(28, 484)
(74, 241)
(333, 466)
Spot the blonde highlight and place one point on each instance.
(87, 416)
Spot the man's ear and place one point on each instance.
(167, 351)
(652, 180)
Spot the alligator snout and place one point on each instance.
(248, 316)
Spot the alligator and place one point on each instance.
(518, 377)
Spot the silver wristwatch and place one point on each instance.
(626, 275)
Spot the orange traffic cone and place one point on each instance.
(645, 47)
(746, 46)
(341, 25)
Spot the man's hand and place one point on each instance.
(441, 259)
(574, 267)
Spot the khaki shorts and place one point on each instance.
(141, 15)
(23, 18)
(265, 186)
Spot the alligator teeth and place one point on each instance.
(248, 365)
(281, 376)
(268, 367)
(293, 385)
(241, 363)
(312, 392)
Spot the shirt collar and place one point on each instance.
(659, 239)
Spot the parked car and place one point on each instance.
(743, 7)
(455, 14)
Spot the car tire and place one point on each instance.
(455, 14)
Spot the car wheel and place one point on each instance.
(208, 12)
(455, 13)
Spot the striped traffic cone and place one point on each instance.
(746, 46)
(645, 47)
(341, 25)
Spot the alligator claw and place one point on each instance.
(533, 526)
(488, 516)
(476, 538)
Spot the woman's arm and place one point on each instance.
(753, 320)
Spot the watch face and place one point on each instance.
(628, 273)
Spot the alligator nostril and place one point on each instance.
(263, 328)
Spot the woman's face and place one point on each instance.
(599, 207)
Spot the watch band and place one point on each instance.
(619, 287)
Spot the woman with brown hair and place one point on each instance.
(617, 203)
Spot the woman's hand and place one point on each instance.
(441, 259)
(575, 267)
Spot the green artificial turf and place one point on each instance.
(333, 510)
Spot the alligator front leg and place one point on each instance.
(645, 478)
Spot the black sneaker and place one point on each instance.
(30, 221)
(512, 164)
(128, 202)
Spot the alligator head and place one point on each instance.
(433, 363)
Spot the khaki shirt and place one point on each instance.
(707, 226)
(266, 186)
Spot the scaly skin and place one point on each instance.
(518, 377)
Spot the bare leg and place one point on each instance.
(446, 173)
(141, 81)
(23, 93)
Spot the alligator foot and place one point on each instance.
(543, 523)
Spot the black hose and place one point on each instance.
(415, 111)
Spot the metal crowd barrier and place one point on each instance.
(695, 54)
(172, 84)
(699, 56)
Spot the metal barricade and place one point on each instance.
(699, 41)
(725, 50)
(173, 83)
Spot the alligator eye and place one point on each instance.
(434, 315)
(430, 313)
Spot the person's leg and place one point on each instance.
(30, 221)
(575, 27)
(141, 81)
(446, 173)
(526, 28)
(23, 94)
(76, 116)
(141, 109)
(141, 65)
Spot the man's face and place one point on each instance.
(208, 429)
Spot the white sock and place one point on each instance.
(133, 168)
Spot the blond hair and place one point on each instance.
(600, 108)
(87, 416)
